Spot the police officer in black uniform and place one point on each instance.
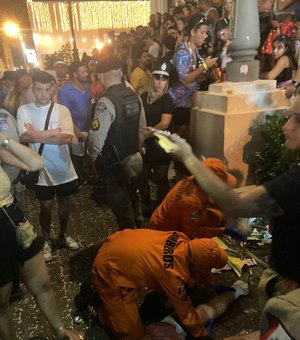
(115, 136)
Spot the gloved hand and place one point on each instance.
(238, 229)
(25, 234)
(209, 327)
(173, 144)
(232, 232)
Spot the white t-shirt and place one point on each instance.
(58, 165)
(154, 50)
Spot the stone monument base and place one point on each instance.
(223, 120)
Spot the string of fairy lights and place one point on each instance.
(88, 15)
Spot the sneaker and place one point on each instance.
(47, 250)
(69, 243)
(241, 288)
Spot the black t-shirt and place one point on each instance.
(286, 74)
(285, 249)
(154, 153)
(154, 111)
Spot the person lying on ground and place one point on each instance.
(132, 263)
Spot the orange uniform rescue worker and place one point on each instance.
(189, 209)
(131, 262)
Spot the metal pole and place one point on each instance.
(75, 50)
(245, 39)
(21, 41)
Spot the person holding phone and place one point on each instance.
(189, 65)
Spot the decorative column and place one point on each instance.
(245, 39)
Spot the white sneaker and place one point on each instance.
(47, 251)
(241, 288)
(69, 243)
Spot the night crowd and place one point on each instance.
(119, 120)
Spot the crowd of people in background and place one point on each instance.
(96, 121)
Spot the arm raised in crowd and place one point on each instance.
(253, 202)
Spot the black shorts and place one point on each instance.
(46, 193)
(12, 255)
(181, 116)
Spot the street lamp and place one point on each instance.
(12, 30)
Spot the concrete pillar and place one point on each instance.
(224, 120)
(160, 6)
(244, 41)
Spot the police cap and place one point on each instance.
(9, 75)
(162, 70)
(108, 64)
(20, 73)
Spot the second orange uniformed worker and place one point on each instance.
(189, 209)
(132, 261)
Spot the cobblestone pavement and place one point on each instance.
(90, 224)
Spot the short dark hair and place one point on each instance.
(173, 27)
(187, 6)
(42, 77)
(177, 10)
(140, 52)
(75, 66)
(195, 21)
(147, 36)
(169, 42)
(221, 24)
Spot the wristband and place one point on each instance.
(205, 66)
(5, 142)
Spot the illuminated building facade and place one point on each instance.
(92, 20)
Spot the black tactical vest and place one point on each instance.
(124, 131)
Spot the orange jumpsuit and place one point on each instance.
(187, 208)
(132, 261)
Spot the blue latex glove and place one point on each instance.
(232, 232)
(209, 327)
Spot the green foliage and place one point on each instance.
(65, 53)
(272, 158)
